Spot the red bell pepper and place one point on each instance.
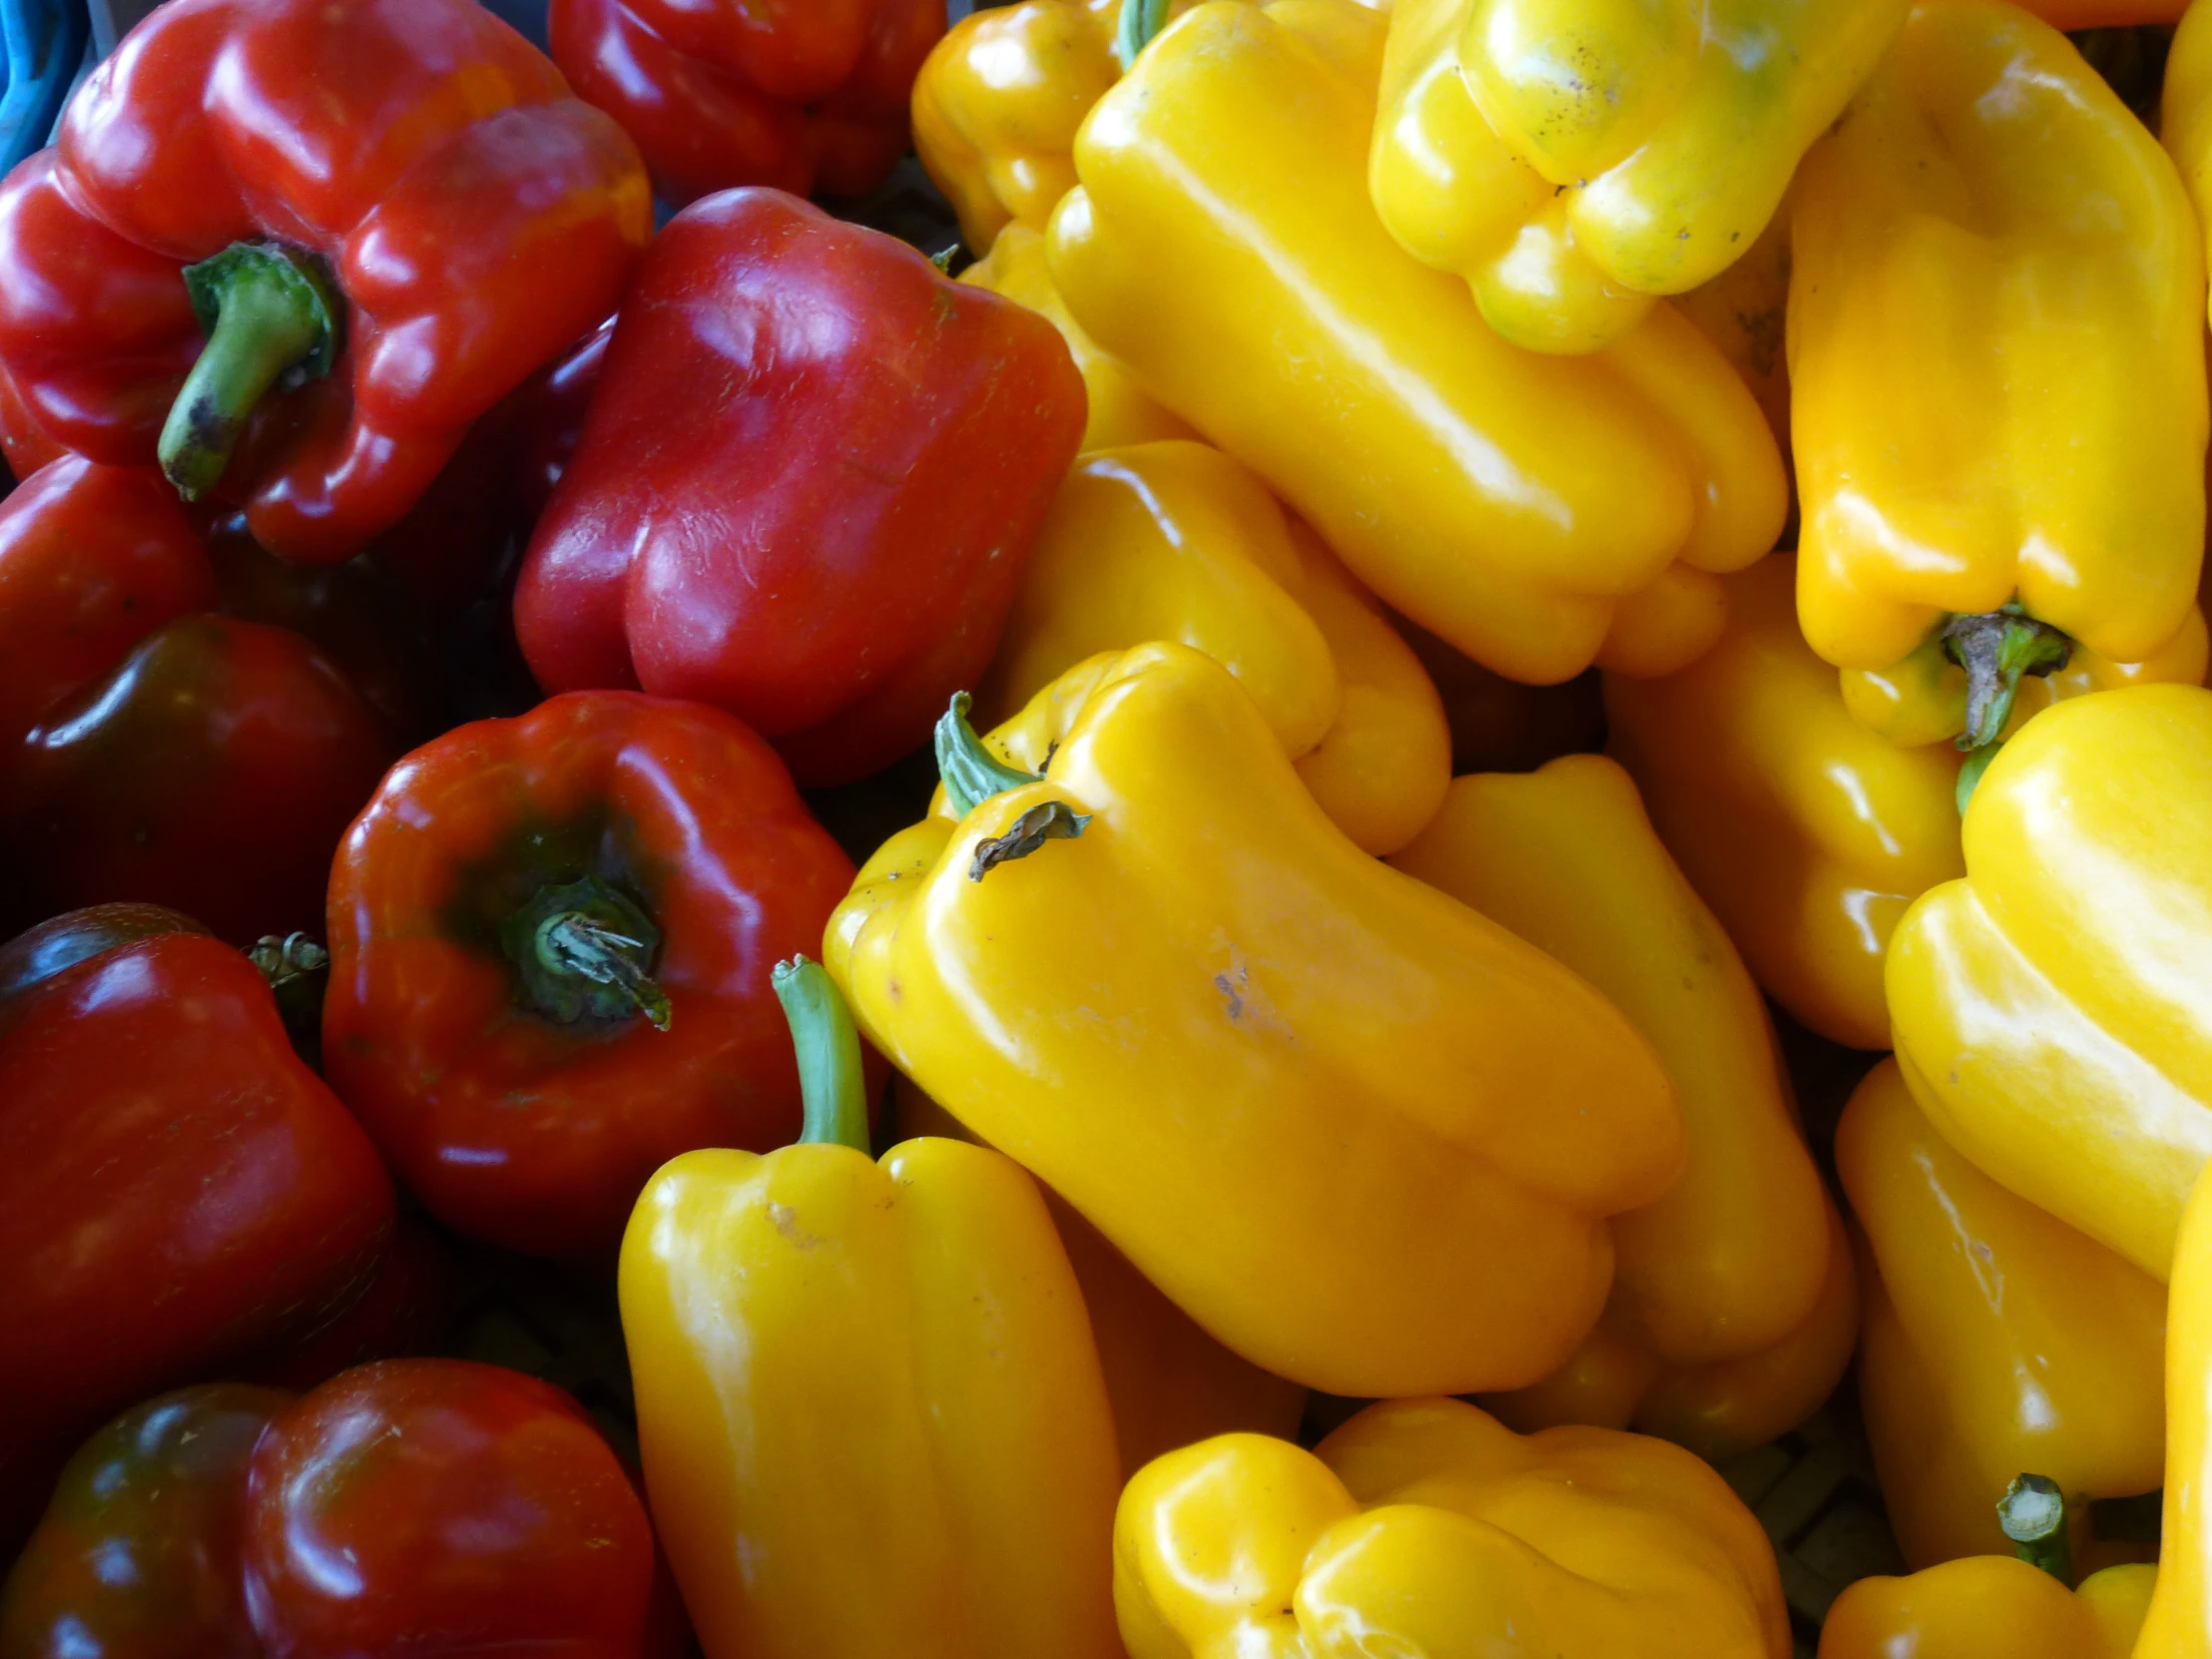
(549, 411)
(807, 486)
(295, 249)
(24, 443)
(414, 1507)
(177, 1191)
(550, 945)
(799, 94)
(150, 749)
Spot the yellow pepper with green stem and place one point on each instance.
(1176, 541)
(1996, 1341)
(1572, 158)
(1369, 1139)
(2049, 1011)
(870, 1408)
(1991, 229)
(1808, 833)
(1533, 511)
(1427, 1527)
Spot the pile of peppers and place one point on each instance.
(1275, 909)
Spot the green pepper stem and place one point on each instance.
(2033, 1515)
(971, 773)
(1970, 775)
(585, 950)
(830, 1081)
(1997, 648)
(1140, 21)
(269, 315)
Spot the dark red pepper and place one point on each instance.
(177, 1191)
(150, 749)
(550, 946)
(807, 486)
(296, 249)
(804, 95)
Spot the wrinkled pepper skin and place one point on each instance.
(1573, 162)
(869, 1406)
(1998, 1339)
(802, 95)
(1175, 541)
(513, 1117)
(138, 1554)
(1504, 1107)
(177, 1191)
(149, 749)
(1533, 511)
(476, 1510)
(473, 215)
(1719, 1410)
(806, 485)
(2038, 1018)
(2180, 1621)
(1120, 412)
(1806, 833)
(1733, 1256)
(1425, 1527)
(1991, 225)
(1170, 1384)
(1984, 1604)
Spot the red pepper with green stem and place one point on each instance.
(807, 486)
(179, 1193)
(804, 95)
(295, 250)
(550, 944)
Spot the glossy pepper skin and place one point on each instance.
(177, 1191)
(1533, 511)
(138, 1554)
(1733, 1256)
(1425, 1527)
(1213, 1158)
(470, 214)
(806, 487)
(2036, 1018)
(152, 750)
(477, 1510)
(1998, 1339)
(802, 96)
(1119, 410)
(2185, 104)
(1955, 233)
(1573, 162)
(1721, 1409)
(2180, 1621)
(1175, 541)
(870, 1409)
(1808, 833)
(1983, 1604)
(527, 1073)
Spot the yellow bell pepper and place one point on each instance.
(869, 1405)
(1170, 1384)
(1992, 229)
(1806, 833)
(1502, 725)
(1985, 1605)
(1365, 1136)
(1997, 1340)
(2044, 1016)
(2181, 1622)
(1176, 541)
(1743, 311)
(1732, 1258)
(1571, 160)
(1427, 1527)
(2185, 108)
(1120, 412)
(1719, 1410)
(1531, 511)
